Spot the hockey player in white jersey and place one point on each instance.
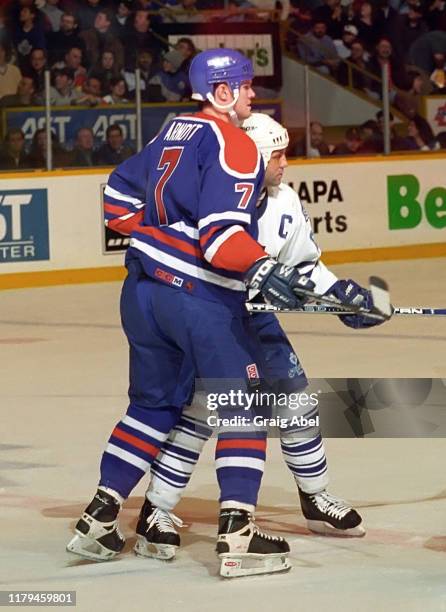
(286, 233)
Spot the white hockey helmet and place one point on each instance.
(267, 133)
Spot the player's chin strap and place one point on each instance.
(227, 108)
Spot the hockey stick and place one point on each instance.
(382, 309)
(325, 309)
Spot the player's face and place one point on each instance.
(243, 105)
(275, 168)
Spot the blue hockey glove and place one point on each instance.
(351, 293)
(278, 283)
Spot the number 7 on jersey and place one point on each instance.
(169, 160)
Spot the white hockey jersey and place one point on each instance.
(286, 234)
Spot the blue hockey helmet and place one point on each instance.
(219, 66)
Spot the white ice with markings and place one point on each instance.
(63, 387)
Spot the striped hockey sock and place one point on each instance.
(133, 445)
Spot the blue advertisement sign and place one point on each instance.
(66, 121)
(24, 225)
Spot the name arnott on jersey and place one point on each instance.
(180, 130)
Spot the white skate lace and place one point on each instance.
(165, 521)
(263, 535)
(331, 505)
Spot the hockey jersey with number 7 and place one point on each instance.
(188, 202)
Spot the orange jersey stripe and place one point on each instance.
(238, 253)
(240, 151)
(207, 235)
(126, 226)
(246, 443)
(114, 209)
(171, 241)
(134, 441)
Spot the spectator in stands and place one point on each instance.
(87, 12)
(366, 20)
(358, 79)
(101, 38)
(318, 146)
(117, 92)
(397, 73)
(185, 11)
(420, 136)
(351, 145)
(188, 50)
(234, 14)
(66, 38)
(318, 50)
(140, 36)
(84, 154)
(371, 138)
(91, 94)
(106, 70)
(438, 76)
(25, 95)
(13, 155)
(73, 61)
(344, 45)
(436, 15)
(410, 102)
(149, 92)
(173, 82)
(410, 27)
(52, 12)
(62, 92)
(123, 19)
(28, 34)
(9, 74)
(334, 15)
(5, 38)
(423, 50)
(114, 151)
(387, 21)
(37, 67)
(300, 24)
(38, 155)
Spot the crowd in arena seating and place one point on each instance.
(92, 48)
(407, 35)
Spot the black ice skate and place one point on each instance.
(97, 532)
(157, 536)
(244, 550)
(329, 515)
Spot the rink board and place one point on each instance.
(51, 228)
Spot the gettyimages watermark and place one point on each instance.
(340, 407)
(277, 409)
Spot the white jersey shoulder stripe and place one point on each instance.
(235, 216)
(190, 231)
(113, 193)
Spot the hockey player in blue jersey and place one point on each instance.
(188, 202)
(285, 231)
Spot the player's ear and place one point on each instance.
(223, 93)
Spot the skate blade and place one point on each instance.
(252, 565)
(164, 552)
(323, 528)
(89, 549)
